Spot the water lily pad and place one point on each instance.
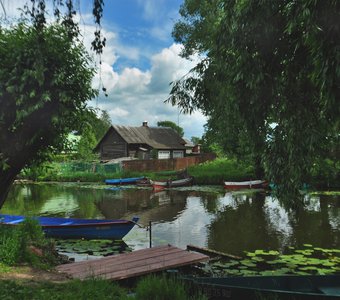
(247, 263)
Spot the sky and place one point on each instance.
(139, 62)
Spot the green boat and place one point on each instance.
(269, 287)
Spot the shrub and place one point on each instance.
(162, 288)
(16, 243)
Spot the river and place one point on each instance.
(201, 216)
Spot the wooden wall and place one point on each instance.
(113, 146)
(166, 164)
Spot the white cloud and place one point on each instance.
(133, 80)
(135, 95)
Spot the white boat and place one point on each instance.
(250, 184)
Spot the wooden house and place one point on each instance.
(141, 142)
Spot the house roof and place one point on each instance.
(188, 143)
(156, 137)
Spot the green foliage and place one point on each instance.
(326, 174)
(75, 289)
(16, 243)
(268, 87)
(86, 144)
(97, 120)
(45, 82)
(162, 288)
(306, 261)
(172, 125)
(219, 170)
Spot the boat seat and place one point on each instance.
(15, 221)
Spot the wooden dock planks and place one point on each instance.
(133, 264)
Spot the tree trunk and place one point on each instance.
(6, 179)
(259, 170)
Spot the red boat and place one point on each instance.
(251, 184)
(172, 183)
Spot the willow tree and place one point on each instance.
(268, 80)
(45, 81)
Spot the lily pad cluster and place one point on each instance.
(305, 261)
(92, 247)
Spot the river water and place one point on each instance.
(201, 216)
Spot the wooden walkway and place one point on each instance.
(132, 264)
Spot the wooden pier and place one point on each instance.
(132, 264)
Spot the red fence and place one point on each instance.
(156, 165)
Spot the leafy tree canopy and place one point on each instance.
(172, 125)
(98, 120)
(268, 81)
(45, 81)
(64, 11)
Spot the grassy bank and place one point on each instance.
(325, 175)
(212, 172)
(215, 172)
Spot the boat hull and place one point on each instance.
(68, 228)
(251, 184)
(120, 181)
(157, 185)
(270, 287)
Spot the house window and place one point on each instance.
(178, 154)
(163, 154)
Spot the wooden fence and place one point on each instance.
(156, 165)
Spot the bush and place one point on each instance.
(221, 169)
(16, 245)
(75, 289)
(162, 288)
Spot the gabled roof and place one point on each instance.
(188, 143)
(155, 137)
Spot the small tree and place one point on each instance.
(86, 144)
(172, 125)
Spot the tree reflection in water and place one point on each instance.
(229, 222)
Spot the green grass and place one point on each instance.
(163, 288)
(150, 287)
(219, 170)
(211, 172)
(16, 244)
(75, 289)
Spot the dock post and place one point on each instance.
(150, 235)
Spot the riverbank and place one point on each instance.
(208, 173)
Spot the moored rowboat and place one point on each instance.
(77, 228)
(172, 183)
(251, 184)
(270, 287)
(131, 180)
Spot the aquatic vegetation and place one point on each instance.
(308, 260)
(92, 247)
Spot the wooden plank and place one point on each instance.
(121, 261)
(140, 265)
(123, 258)
(133, 264)
(208, 251)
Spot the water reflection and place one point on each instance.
(229, 222)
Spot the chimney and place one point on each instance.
(145, 124)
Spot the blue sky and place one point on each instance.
(139, 61)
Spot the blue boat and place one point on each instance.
(69, 228)
(119, 181)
